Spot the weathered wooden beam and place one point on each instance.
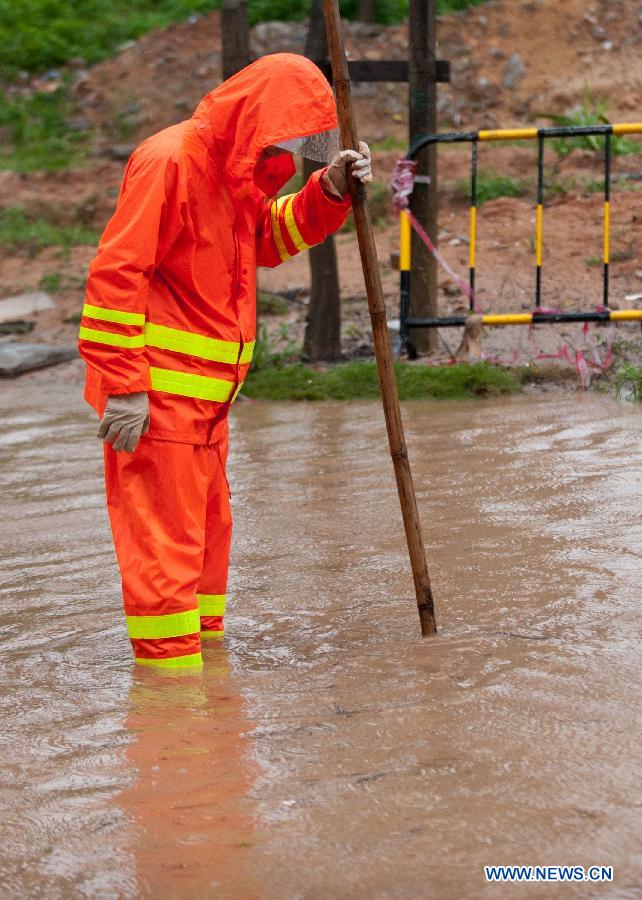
(376, 70)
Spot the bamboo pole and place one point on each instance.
(377, 307)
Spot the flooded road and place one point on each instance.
(326, 750)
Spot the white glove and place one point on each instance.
(126, 419)
(336, 173)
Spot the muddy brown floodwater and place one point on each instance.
(326, 751)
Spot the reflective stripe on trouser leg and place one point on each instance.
(212, 584)
(157, 501)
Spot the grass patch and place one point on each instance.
(628, 383)
(491, 186)
(37, 134)
(20, 232)
(592, 112)
(358, 381)
(51, 282)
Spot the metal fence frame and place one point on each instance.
(538, 315)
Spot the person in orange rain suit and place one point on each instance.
(168, 331)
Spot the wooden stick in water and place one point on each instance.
(377, 307)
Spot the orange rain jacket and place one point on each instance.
(170, 303)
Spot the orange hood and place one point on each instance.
(277, 98)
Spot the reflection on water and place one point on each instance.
(189, 803)
(326, 750)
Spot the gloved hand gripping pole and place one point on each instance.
(377, 308)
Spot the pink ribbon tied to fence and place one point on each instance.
(403, 182)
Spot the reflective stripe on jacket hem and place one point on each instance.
(111, 338)
(112, 315)
(187, 384)
(192, 660)
(211, 604)
(172, 625)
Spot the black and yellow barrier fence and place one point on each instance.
(538, 315)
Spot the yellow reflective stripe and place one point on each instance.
(247, 352)
(211, 604)
(109, 337)
(292, 227)
(628, 128)
(172, 625)
(539, 231)
(473, 236)
(188, 385)
(212, 634)
(192, 344)
(173, 662)
(405, 241)
(607, 230)
(508, 319)
(276, 227)
(113, 315)
(508, 134)
(625, 315)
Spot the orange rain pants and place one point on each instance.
(169, 508)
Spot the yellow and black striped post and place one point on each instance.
(607, 216)
(539, 221)
(473, 225)
(405, 261)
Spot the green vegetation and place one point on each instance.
(271, 304)
(51, 282)
(38, 133)
(628, 382)
(41, 34)
(20, 232)
(389, 143)
(592, 112)
(275, 351)
(491, 186)
(358, 381)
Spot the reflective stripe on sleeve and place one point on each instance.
(275, 210)
(112, 315)
(111, 338)
(191, 660)
(211, 604)
(187, 384)
(290, 224)
(172, 625)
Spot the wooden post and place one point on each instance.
(235, 36)
(322, 339)
(377, 308)
(422, 84)
(366, 11)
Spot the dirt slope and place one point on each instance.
(566, 51)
